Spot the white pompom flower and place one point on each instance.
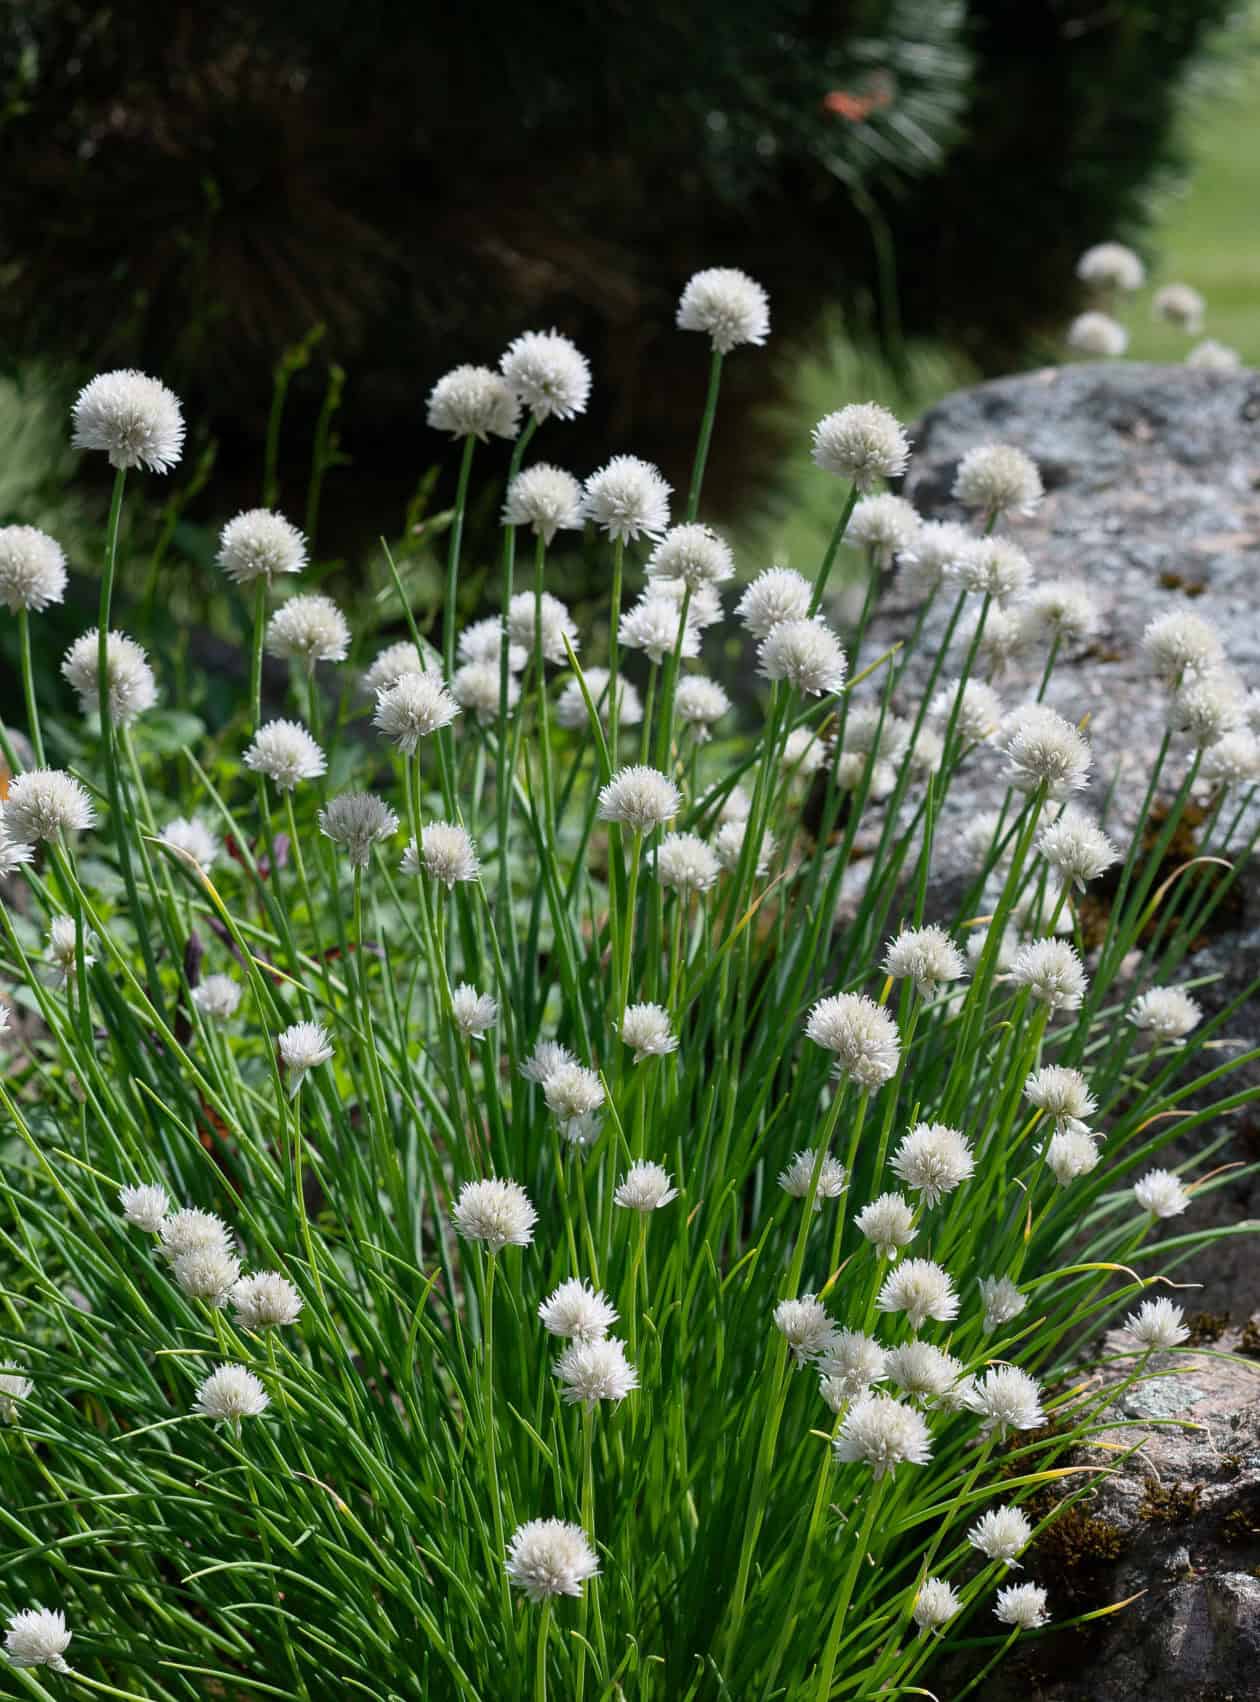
(189, 1229)
(776, 594)
(805, 653)
(1182, 306)
(1002, 1302)
(653, 626)
(547, 374)
(63, 948)
(1062, 1093)
(1095, 333)
(473, 401)
(627, 498)
(933, 1159)
(728, 306)
(32, 569)
(1062, 609)
(44, 802)
(447, 854)
(132, 687)
(14, 1389)
(804, 1325)
(265, 1301)
(474, 1013)
(728, 847)
(1182, 642)
(495, 1212)
(796, 1178)
(571, 710)
(483, 641)
(577, 1311)
(191, 836)
(1052, 973)
(861, 1034)
(927, 956)
(935, 1603)
(1161, 1193)
(888, 1224)
(979, 709)
(145, 1205)
(640, 798)
(997, 478)
(133, 418)
(285, 753)
(217, 997)
(887, 526)
(395, 661)
(1211, 356)
(356, 821)
(260, 544)
(1007, 1399)
(1166, 1013)
(229, 1394)
(863, 442)
(994, 567)
(692, 554)
(1044, 750)
(883, 1433)
(545, 498)
(700, 702)
(476, 687)
(927, 1374)
(1072, 1152)
(684, 863)
(304, 1047)
(645, 1187)
(548, 1557)
(1001, 1534)
(1076, 847)
(207, 1273)
(1022, 1606)
(37, 1637)
(557, 626)
(591, 1371)
(922, 1290)
(849, 1363)
(308, 629)
(1111, 266)
(1158, 1324)
(645, 1028)
(418, 706)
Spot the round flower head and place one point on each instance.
(1072, 1152)
(304, 1047)
(1001, 1534)
(37, 1637)
(217, 997)
(545, 498)
(1076, 847)
(1002, 1301)
(699, 702)
(475, 1013)
(557, 626)
(547, 1057)
(1234, 760)
(933, 556)
(804, 753)
(547, 374)
(921, 1290)
(473, 401)
(863, 442)
(885, 525)
(1181, 306)
(577, 1311)
(797, 1178)
(476, 688)
(595, 1370)
(1003, 638)
(546, 1558)
(260, 544)
(777, 594)
(805, 653)
(483, 641)
(285, 753)
(447, 853)
(1161, 1193)
(645, 1187)
(229, 1394)
(572, 1092)
(495, 1212)
(1022, 1606)
(997, 478)
(32, 569)
(417, 706)
(927, 956)
(933, 1159)
(357, 821)
(145, 1205)
(1062, 609)
(979, 709)
(395, 661)
(1207, 707)
(63, 949)
(132, 687)
(994, 567)
(1111, 266)
(571, 710)
(640, 798)
(1052, 973)
(308, 629)
(44, 802)
(694, 555)
(805, 1326)
(207, 1273)
(935, 1604)
(727, 305)
(1166, 1013)
(1158, 1324)
(684, 863)
(704, 603)
(645, 1029)
(14, 1389)
(627, 498)
(188, 1230)
(1180, 643)
(925, 1373)
(848, 1365)
(135, 419)
(191, 836)
(861, 1034)
(1095, 333)
(883, 1434)
(265, 1301)
(1211, 356)
(1042, 749)
(1006, 1398)
(728, 847)
(888, 1224)
(652, 626)
(1062, 1093)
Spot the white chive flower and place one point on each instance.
(37, 1637)
(545, 498)
(849, 1363)
(571, 710)
(44, 802)
(1234, 760)
(190, 835)
(133, 418)
(547, 374)
(577, 1311)
(207, 1273)
(1158, 1324)
(926, 751)
(1182, 642)
(1007, 1399)
(395, 661)
(888, 1224)
(652, 625)
(926, 1373)
(862, 1035)
(1166, 1013)
(132, 687)
(483, 641)
(475, 1013)
(495, 1212)
(1002, 1302)
(1180, 305)
(933, 1159)
(804, 753)
(1052, 973)
(145, 1205)
(1095, 333)
(863, 442)
(217, 997)
(1062, 1093)
(922, 1290)
(1076, 847)
(260, 544)
(357, 821)
(776, 594)
(188, 1229)
(557, 625)
(728, 847)
(547, 1057)
(32, 569)
(285, 753)
(934, 556)
(475, 686)
(979, 709)
(447, 853)
(63, 948)
(883, 1434)
(1042, 749)
(1207, 707)
(884, 525)
(693, 554)
(14, 1389)
(1001, 1534)
(417, 706)
(1211, 356)
(997, 478)
(727, 305)
(684, 863)
(229, 1394)
(796, 1177)
(1072, 1152)
(804, 1325)
(994, 567)
(595, 1370)
(645, 1187)
(303, 1047)
(548, 1557)
(473, 401)
(265, 1301)
(1062, 609)
(627, 498)
(805, 653)
(640, 798)
(1022, 1606)
(1005, 636)
(14, 853)
(935, 1604)
(308, 629)
(1111, 266)
(572, 1092)
(927, 956)
(645, 1029)
(700, 701)
(1161, 1193)
(704, 603)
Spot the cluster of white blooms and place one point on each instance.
(933, 1159)
(414, 708)
(693, 554)
(357, 821)
(478, 687)
(571, 710)
(926, 1373)
(927, 956)
(548, 1557)
(1234, 759)
(43, 803)
(1071, 1152)
(1207, 708)
(573, 1093)
(1063, 609)
(595, 1369)
(805, 653)
(1211, 356)
(1022, 1606)
(848, 1364)
(37, 1637)
(883, 1434)
(217, 997)
(1182, 306)
(132, 418)
(14, 1389)
(285, 753)
(1002, 1301)
(888, 1224)
(63, 951)
(993, 567)
(303, 1047)
(481, 641)
(192, 837)
(545, 498)
(700, 702)
(776, 594)
(474, 1013)
(577, 1311)
(1181, 643)
(804, 753)
(805, 1326)
(640, 798)
(1111, 266)
(265, 1301)
(527, 613)
(685, 864)
(1006, 1398)
(886, 526)
(1043, 750)
(260, 544)
(399, 659)
(1158, 1324)
(1161, 1193)
(473, 401)
(935, 1604)
(627, 499)
(997, 478)
(495, 1212)
(922, 1290)
(1001, 1534)
(656, 625)
(727, 305)
(446, 853)
(1096, 333)
(861, 1034)
(547, 374)
(1165, 1013)
(645, 1028)
(863, 442)
(229, 1394)
(934, 556)
(645, 1187)
(796, 1178)
(146, 1205)
(1076, 847)
(975, 707)
(1063, 1094)
(131, 686)
(1052, 973)
(32, 569)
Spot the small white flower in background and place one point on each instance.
(474, 1013)
(885, 525)
(883, 1433)
(133, 418)
(871, 730)
(1005, 636)
(934, 556)
(927, 956)
(997, 478)
(925, 1373)
(684, 863)
(145, 1204)
(1001, 1534)
(640, 798)
(805, 653)
(1072, 1152)
(37, 1637)
(187, 1230)
(32, 569)
(693, 554)
(796, 1177)
(447, 853)
(1182, 642)
(473, 401)
(577, 1311)
(1076, 847)
(926, 751)
(547, 1557)
(496, 1212)
(191, 836)
(1207, 707)
(862, 442)
(1095, 333)
(645, 1029)
(805, 1326)
(933, 1159)
(547, 374)
(557, 625)
(652, 625)
(1166, 1013)
(571, 710)
(645, 1187)
(1007, 1399)
(977, 939)
(935, 1604)
(229, 1394)
(207, 1273)
(804, 753)
(1211, 356)
(994, 567)
(1181, 306)
(395, 661)
(727, 305)
(417, 706)
(475, 687)
(920, 1289)
(1158, 1324)
(265, 1301)
(14, 1388)
(132, 687)
(304, 1047)
(979, 709)
(862, 1035)
(1111, 266)
(595, 1370)
(888, 1224)
(1022, 1606)
(848, 1365)
(1063, 1094)
(545, 498)
(1162, 1193)
(1060, 608)
(547, 1057)
(627, 498)
(572, 1091)
(483, 641)
(1052, 973)
(776, 594)
(285, 753)
(63, 948)
(260, 544)
(308, 629)
(728, 846)
(217, 997)
(1002, 1302)
(357, 821)
(1234, 760)
(699, 702)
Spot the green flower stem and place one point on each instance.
(256, 653)
(706, 435)
(454, 546)
(28, 687)
(540, 1669)
(827, 1665)
(614, 622)
(829, 557)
